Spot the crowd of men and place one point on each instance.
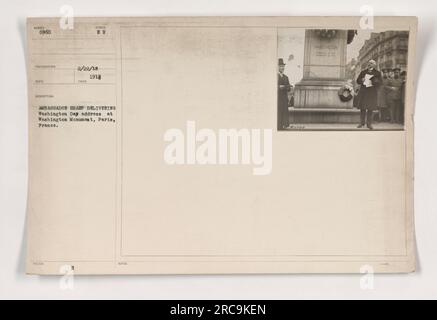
(381, 91)
(391, 95)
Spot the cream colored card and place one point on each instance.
(175, 145)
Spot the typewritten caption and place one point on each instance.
(59, 115)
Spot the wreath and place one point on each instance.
(326, 33)
(330, 34)
(346, 93)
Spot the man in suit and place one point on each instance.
(369, 80)
(382, 100)
(283, 89)
(393, 87)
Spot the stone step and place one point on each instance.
(324, 115)
(323, 109)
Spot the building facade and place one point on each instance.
(389, 49)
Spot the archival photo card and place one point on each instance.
(220, 145)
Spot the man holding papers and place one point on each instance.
(369, 79)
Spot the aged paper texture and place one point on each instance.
(221, 145)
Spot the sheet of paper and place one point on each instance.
(155, 147)
(367, 80)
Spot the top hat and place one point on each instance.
(281, 62)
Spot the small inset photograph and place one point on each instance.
(332, 79)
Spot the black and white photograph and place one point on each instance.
(341, 79)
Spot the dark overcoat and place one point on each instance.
(283, 100)
(382, 95)
(367, 97)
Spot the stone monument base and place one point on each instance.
(319, 94)
(317, 101)
(324, 115)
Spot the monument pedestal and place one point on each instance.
(316, 96)
(324, 115)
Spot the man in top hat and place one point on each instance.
(369, 80)
(393, 90)
(283, 89)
